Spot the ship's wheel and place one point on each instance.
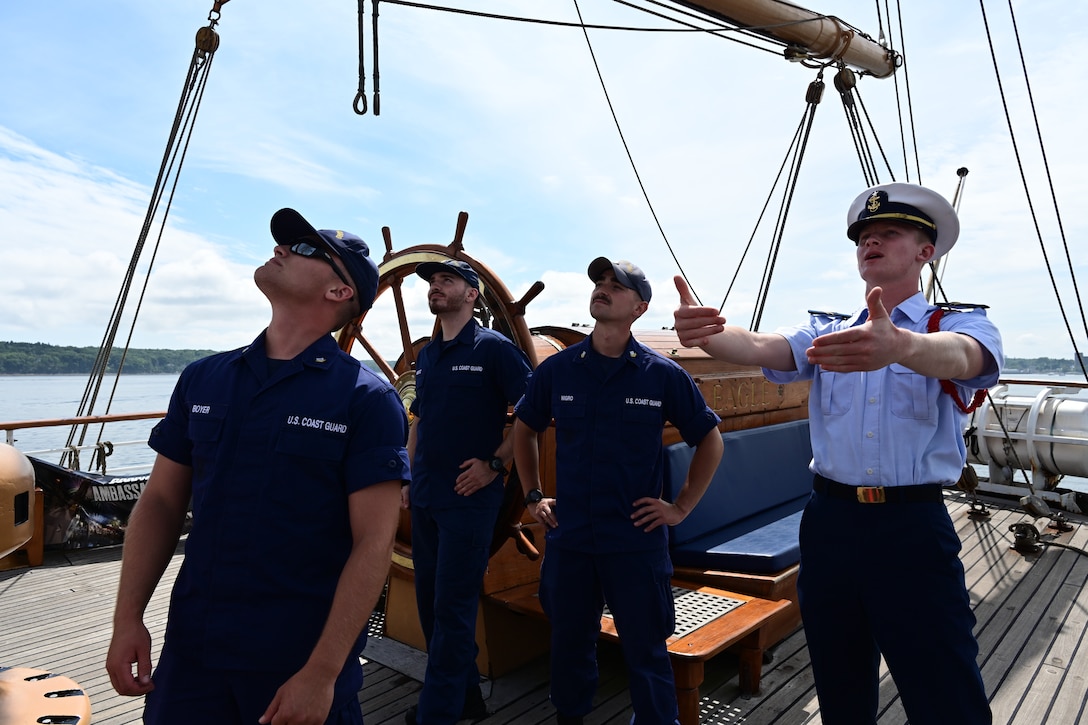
(495, 308)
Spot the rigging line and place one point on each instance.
(207, 41)
(906, 84)
(876, 137)
(937, 267)
(1027, 191)
(763, 211)
(377, 75)
(1050, 179)
(813, 97)
(564, 24)
(857, 133)
(106, 346)
(776, 243)
(749, 31)
(359, 106)
(631, 158)
(179, 155)
(898, 97)
(196, 88)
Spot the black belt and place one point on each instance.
(926, 492)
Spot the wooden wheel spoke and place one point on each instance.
(376, 356)
(402, 321)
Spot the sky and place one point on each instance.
(509, 123)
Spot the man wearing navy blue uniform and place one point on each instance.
(607, 526)
(880, 571)
(292, 453)
(466, 379)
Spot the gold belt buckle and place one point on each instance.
(871, 494)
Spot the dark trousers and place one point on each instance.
(886, 579)
(574, 587)
(450, 550)
(187, 692)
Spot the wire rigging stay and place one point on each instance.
(196, 78)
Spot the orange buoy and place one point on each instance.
(16, 499)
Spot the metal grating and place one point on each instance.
(694, 609)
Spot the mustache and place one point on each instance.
(600, 298)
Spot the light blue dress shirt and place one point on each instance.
(888, 427)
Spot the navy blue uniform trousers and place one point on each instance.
(187, 692)
(450, 548)
(887, 579)
(574, 587)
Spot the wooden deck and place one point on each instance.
(1032, 615)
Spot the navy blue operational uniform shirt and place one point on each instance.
(464, 388)
(274, 458)
(609, 416)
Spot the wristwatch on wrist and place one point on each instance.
(495, 464)
(534, 496)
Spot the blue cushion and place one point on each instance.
(761, 469)
(766, 549)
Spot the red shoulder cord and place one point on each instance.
(946, 385)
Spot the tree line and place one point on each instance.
(36, 358)
(1041, 365)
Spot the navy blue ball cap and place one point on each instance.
(426, 270)
(626, 273)
(909, 203)
(289, 227)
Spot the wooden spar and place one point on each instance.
(824, 36)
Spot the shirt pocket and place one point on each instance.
(638, 446)
(205, 430)
(315, 446)
(909, 393)
(641, 415)
(570, 421)
(308, 463)
(836, 393)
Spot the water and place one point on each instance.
(34, 397)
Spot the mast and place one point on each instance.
(823, 36)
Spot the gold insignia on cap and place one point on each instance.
(873, 203)
(339, 234)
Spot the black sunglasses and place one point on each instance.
(305, 249)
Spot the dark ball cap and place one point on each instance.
(626, 273)
(462, 269)
(289, 227)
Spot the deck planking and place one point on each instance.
(1032, 612)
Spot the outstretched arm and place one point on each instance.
(704, 327)
(878, 343)
(150, 539)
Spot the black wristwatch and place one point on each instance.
(495, 464)
(534, 496)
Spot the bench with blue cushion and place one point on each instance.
(748, 520)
